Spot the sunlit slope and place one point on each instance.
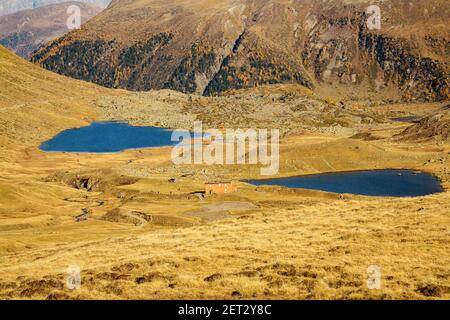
(24, 82)
(35, 103)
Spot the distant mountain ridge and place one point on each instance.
(211, 46)
(12, 6)
(26, 31)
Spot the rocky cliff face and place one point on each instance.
(342, 50)
(418, 78)
(210, 46)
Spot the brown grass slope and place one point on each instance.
(36, 103)
(147, 238)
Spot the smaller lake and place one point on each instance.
(392, 183)
(108, 137)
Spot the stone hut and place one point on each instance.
(219, 187)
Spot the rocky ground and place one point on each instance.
(291, 109)
(431, 127)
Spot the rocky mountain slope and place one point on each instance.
(436, 126)
(210, 46)
(12, 6)
(26, 31)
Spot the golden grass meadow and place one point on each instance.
(149, 237)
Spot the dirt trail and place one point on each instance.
(33, 103)
(142, 221)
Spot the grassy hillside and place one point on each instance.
(151, 238)
(36, 103)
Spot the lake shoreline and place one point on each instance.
(290, 180)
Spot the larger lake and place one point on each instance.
(394, 183)
(108, 137)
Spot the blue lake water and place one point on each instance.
(108, 137)
(393, 183)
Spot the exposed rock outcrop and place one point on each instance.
(433, 127)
